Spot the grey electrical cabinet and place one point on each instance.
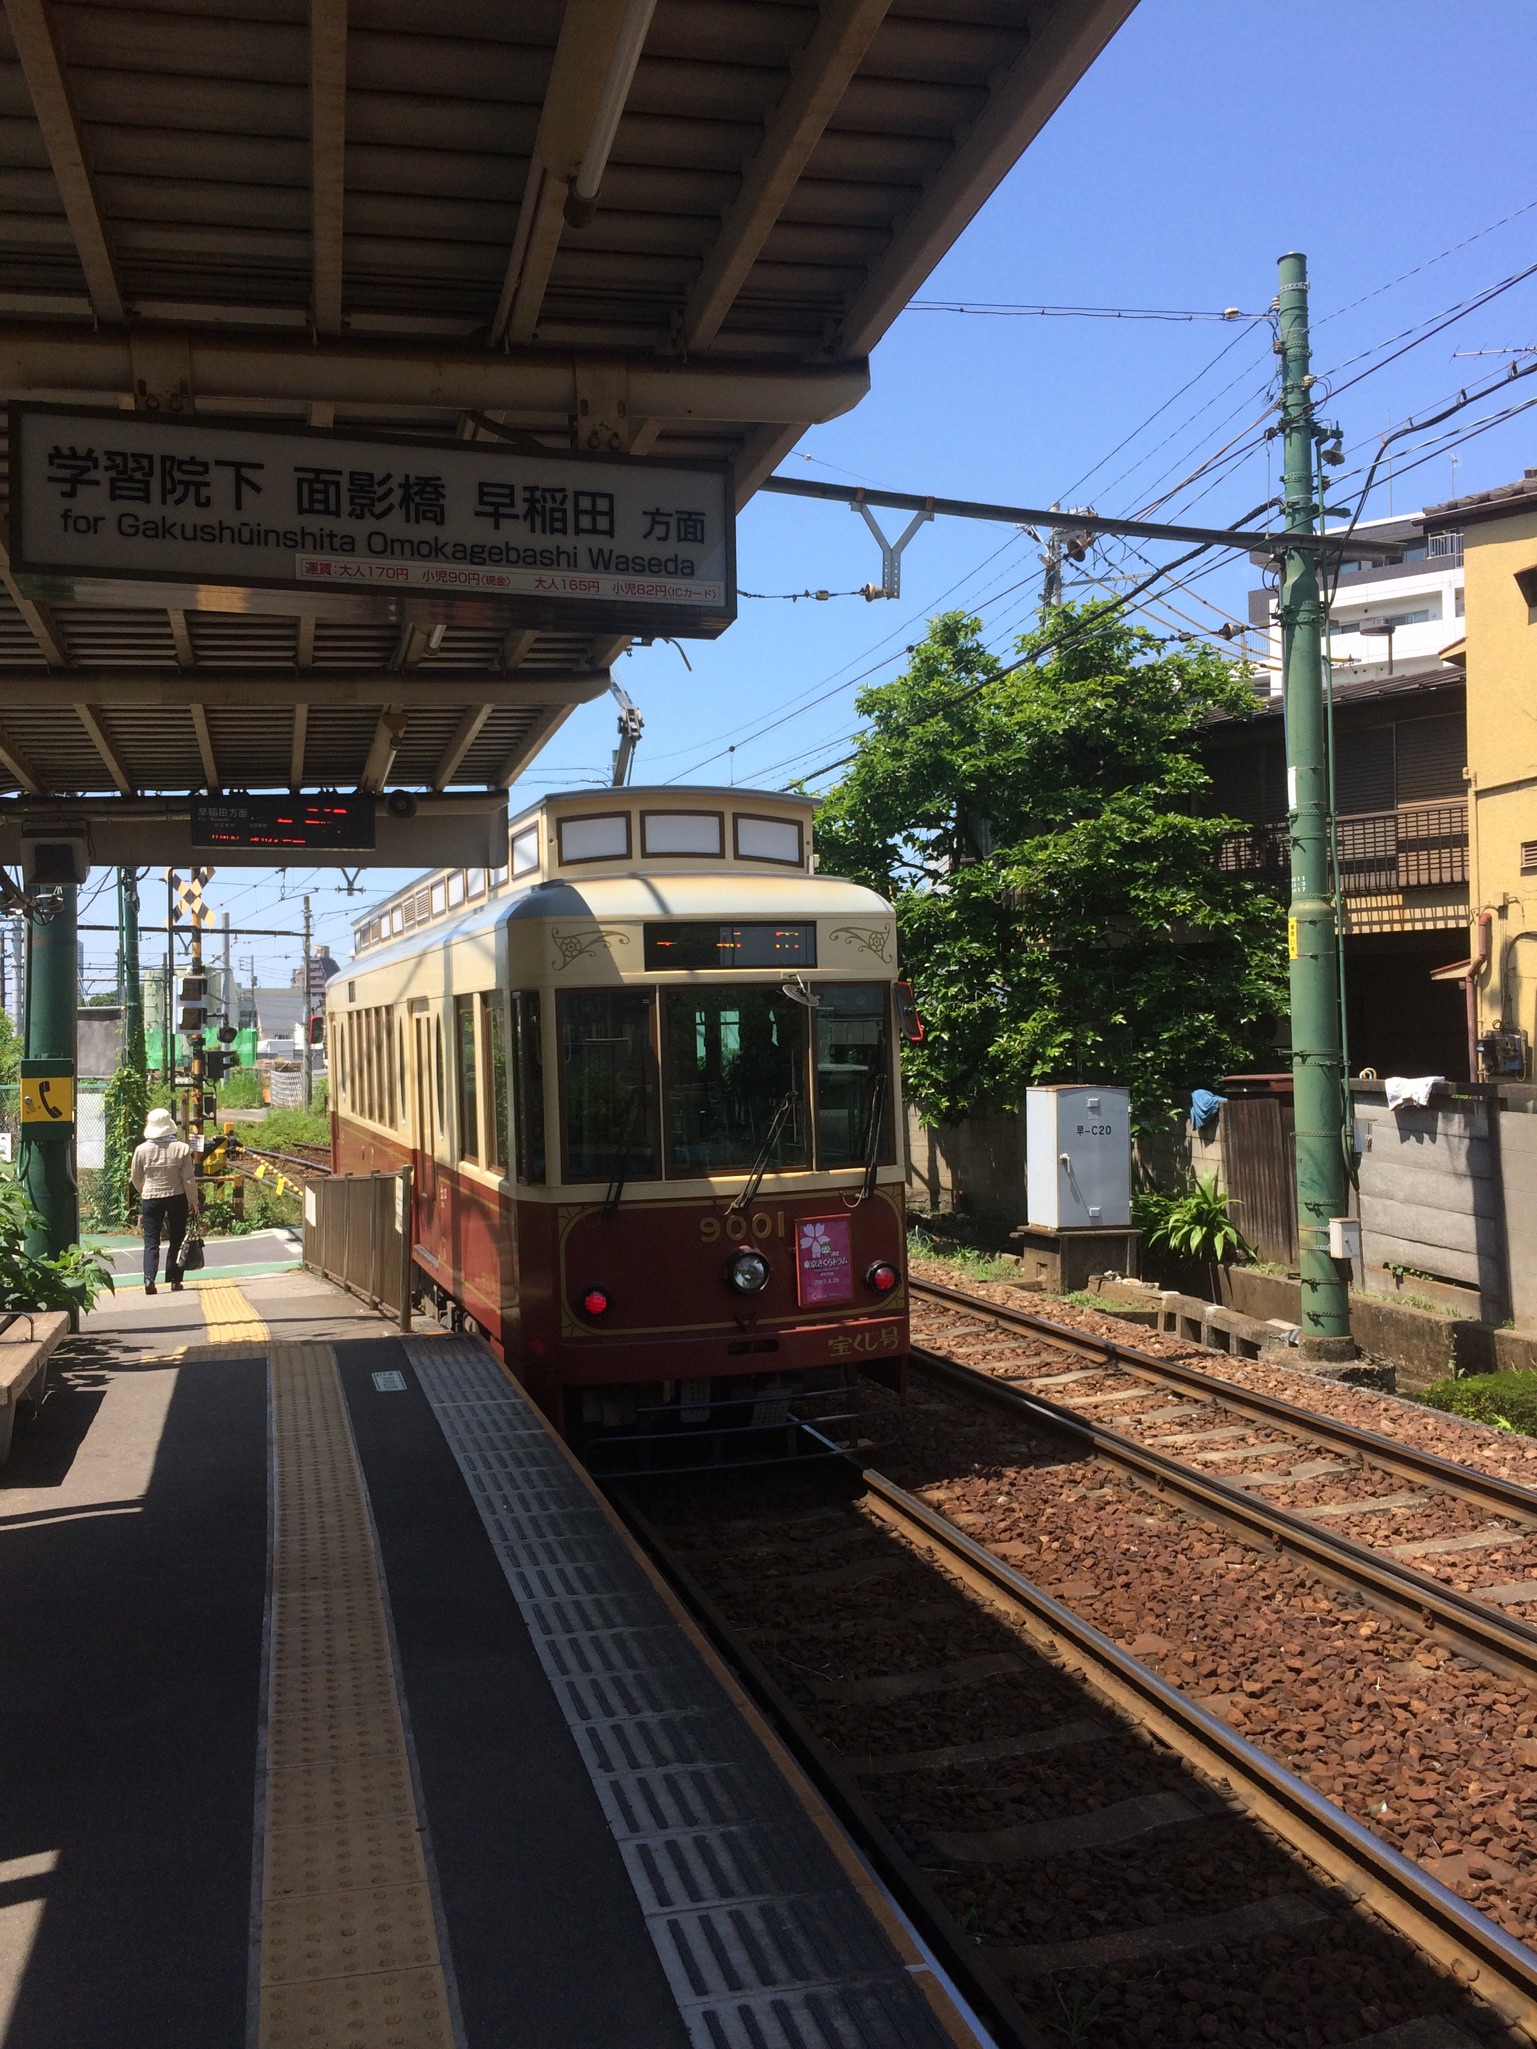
(1078, 1158)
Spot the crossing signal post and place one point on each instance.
(1318, 1079)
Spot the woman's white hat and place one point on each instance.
(160, 1124)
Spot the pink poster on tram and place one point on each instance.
(824, 1261)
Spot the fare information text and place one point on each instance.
(107, 495)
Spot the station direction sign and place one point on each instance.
(628, 544)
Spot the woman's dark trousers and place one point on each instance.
(163, 1215)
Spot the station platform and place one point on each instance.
(338, 1709)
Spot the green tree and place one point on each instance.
(10, 1053)
(1047, 840)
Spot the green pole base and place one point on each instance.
(1329, 1351)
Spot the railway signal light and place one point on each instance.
(748, 1272)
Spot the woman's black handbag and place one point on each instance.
(192, 1253)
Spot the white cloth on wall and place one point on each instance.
(1415, 1088)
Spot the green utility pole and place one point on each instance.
(46, 1160)
(133, 1054)
(1312, 940)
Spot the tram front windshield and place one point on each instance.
(734, 1062)
(852, 1058)
(746, 1073)
(607, 1082)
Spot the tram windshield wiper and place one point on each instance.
(624, 1152)
(765, 1153)
(873, 1136)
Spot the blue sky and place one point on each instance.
(1174, 176)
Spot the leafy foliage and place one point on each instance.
(1195, 1225)
(126, 1107)
(261, 1212)
(1507, 1400)
(73, 1280)
(1042, 835)
(280, 1128)
(10, 1053)
(241, 1090)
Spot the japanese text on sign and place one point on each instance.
(111, 495)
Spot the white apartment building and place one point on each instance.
(1391, 619)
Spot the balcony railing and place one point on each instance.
(1419, 846)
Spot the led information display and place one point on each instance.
(324, 821)
(106, 495)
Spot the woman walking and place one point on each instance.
(164, 1175)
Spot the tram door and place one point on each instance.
(426, 1177)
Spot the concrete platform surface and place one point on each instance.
(336, 1708)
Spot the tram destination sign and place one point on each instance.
(588, 540)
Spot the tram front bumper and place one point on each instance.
(604, 1359)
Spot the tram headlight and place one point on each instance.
(595, 1302)
(748, 1272)
(883, 1277)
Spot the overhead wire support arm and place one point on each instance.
(1354, 547)
(891, 551)
(631, 725)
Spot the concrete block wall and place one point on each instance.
(1518, 1177)
(976, 1166)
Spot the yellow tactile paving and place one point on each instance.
(230, 1318)
(349, 1944)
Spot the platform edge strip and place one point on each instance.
(814, 1969)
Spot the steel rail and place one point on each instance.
(1474, 1948)
(288, 1159)
(1510, 1497)
(1487, 1635)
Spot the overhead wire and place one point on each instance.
(1222, 462)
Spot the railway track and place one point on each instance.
(1453, 1513)
(1094, 1855)
(319, 1164)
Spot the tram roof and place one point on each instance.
(729, 897)
(353, 213)
(638, 881)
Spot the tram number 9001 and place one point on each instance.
(736, 1227)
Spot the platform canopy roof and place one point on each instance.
(669, 226)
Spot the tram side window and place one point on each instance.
(469, 1100)
(528, 1085)
(493, 1032)
(734, 1059)
(437, 1074)
(608, 1088)
(853, 1053)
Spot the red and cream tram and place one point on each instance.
(646, 1079)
